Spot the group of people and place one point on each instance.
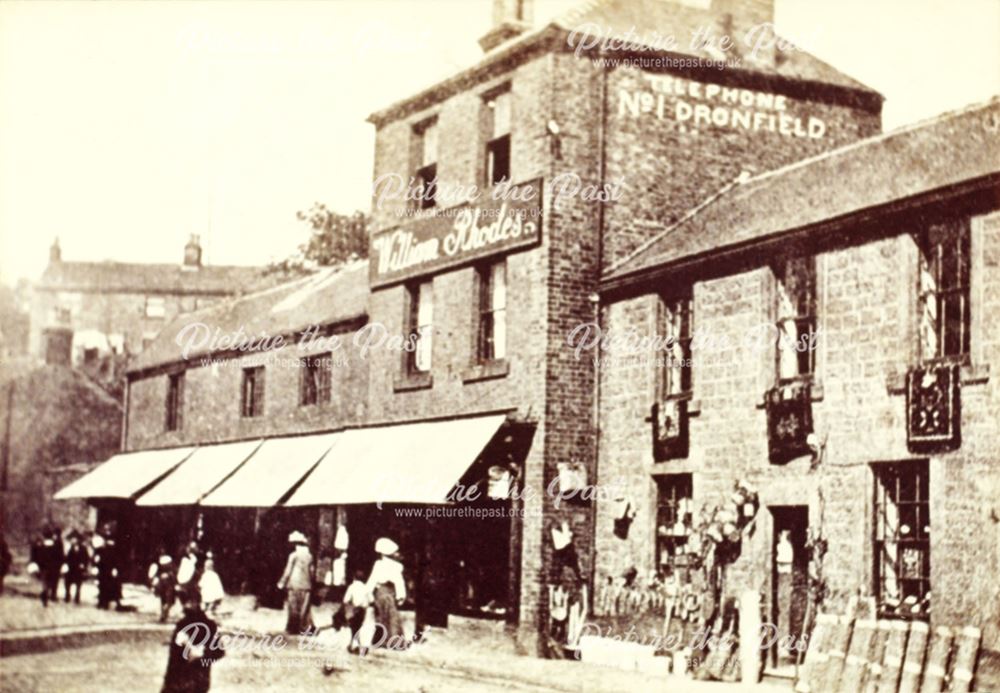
(193, 573)
(70, 558)
(384, 590)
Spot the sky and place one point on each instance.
(126, 127)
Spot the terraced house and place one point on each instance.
(568, 180)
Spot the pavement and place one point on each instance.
(471, 654)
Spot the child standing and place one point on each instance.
(352, 612)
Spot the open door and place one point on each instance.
(789, 585)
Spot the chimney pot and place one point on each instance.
(192, 252)
(511, 18)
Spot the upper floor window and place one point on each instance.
(420, 326)
(175, 401)
(314, 386)
(498, 143)
(492, 335)
(426, 135)
(673, 520)
(156, 307)
(674, 362)
(252, 392)
(902, 538)
(943, 300)
(795, 318)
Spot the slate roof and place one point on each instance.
(152, 278)
(952, 148)
(329, 296)
(647, 19)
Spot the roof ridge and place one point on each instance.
(881, 137)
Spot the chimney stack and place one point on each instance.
(55, 252)
(192, 252)
(511, 18)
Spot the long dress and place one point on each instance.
(297, 579)
(387, 585)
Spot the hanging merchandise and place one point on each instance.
(562, 536)
(498, 482)
(572, 478)
(341, 541)
(623, 517)
(339, 571)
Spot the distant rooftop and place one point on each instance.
(331, 295)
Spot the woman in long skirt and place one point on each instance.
(297, 579)
(388, 590)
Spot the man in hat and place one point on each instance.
(388, 589)
(194, 648)
(76, 562)
(107, 558)
(47, 554)
(298, 580)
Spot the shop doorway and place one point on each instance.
(789, 586)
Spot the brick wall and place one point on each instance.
(212, 399)
(670, 165)
(867, 309)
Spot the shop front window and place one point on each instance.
(674, 509)
(902, 539)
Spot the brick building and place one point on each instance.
(613, 177)
(878, 442)
(94, 308)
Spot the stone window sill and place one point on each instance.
(487, 370)
(407, 382)
(971, 374)
(815, 392)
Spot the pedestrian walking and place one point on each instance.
(189, 568)
(388, 590)
(210, 586)
(194, 649)
(75, 565)
(108, 560)
(352, 611)
(297, 579)
(164, 582)
(47, 556)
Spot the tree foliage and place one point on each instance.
(336, 239)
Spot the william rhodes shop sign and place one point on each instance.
(698, 105)
(499, 220)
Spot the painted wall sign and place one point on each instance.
(701, 105)
(502, 221)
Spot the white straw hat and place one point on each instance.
(386, 546)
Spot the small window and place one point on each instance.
(252, 394)
(175, 401)
(796, 319)
(674, 362)
(420, 326)
(902, 539)
(315, 382)
(944, 292)
(426, 174)
(673, 521)
(492, 336)
(498, 140)
(156, 307)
